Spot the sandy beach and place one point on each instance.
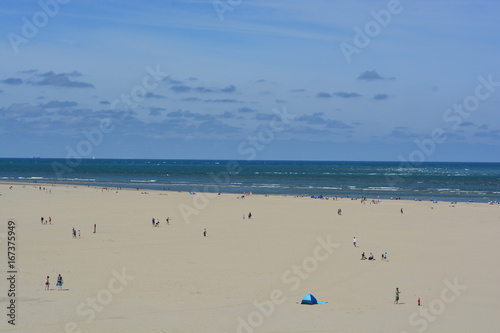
(246, 275)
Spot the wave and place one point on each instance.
(381, 188)
(453, 181)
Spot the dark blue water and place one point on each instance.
(479, 182)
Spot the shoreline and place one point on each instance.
(135, 189)
(450, 182)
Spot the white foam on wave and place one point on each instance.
(381, 188)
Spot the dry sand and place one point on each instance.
(247, 275)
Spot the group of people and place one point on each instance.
(45, 221)
(383, 257)
(74, 232)
(47, 190)
(156, 222)
(58, 284)
(371, 257)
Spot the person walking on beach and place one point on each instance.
(250, 215)
(397, 292)
(95, 228)
(153, 221)
(59, 282)
(354, 241)
(339, 211)
(50, 220)
(73, 232)
(401, 210)
(205, 233)
(41, 220)
(47, 283)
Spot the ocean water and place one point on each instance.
(479, 182)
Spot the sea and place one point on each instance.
(461, 182)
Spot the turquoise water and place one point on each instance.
(479, 182)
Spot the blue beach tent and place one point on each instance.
(310, 299)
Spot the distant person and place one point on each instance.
(73, 232)
(41, 220)
(250, 215)
(371, 257)
(339, 211)
(78, 233)
(47, 283)
(397, 292)
(59, 282)
(385, 255)
(50, 220)
(95, 226)
(401, 210)
(363, 256)
(168, 220)
(153, 221)
(354, 241)
(205, 233)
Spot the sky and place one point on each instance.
(409, 81)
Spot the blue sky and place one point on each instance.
(297, 80)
